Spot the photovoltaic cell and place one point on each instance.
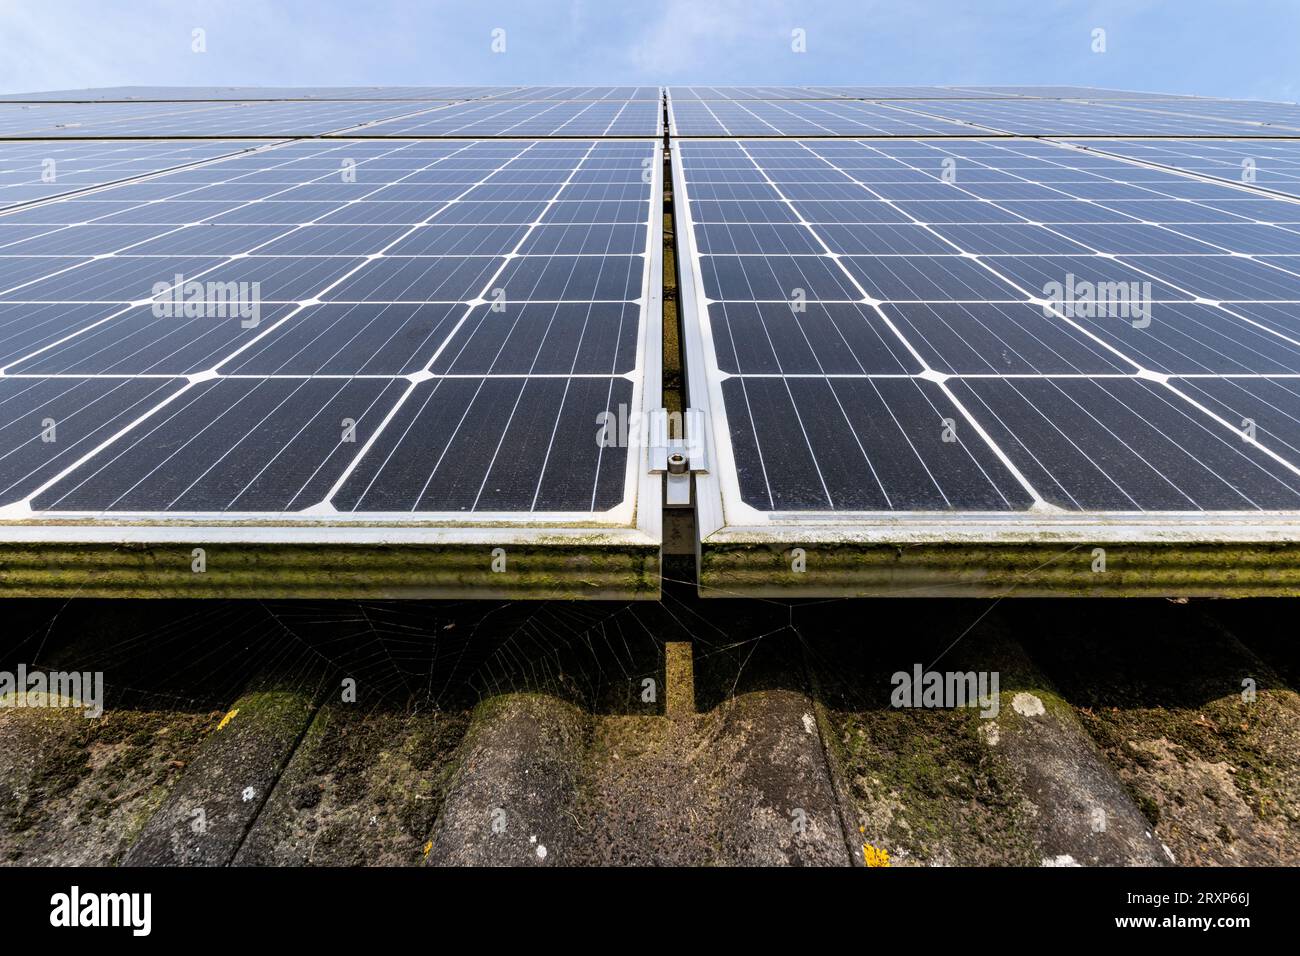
(513, 117)
(415, 356)
(580, 93)
(1070, 92)
(197, 119)
(825, 117)
(862, 367)
(250, 93)
(909, 92)
(34, 171)
(1033, 117)
(678, 94)
(1286, 115)
(1266, 164)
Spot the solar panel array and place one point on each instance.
(377, 308)
(967, 324)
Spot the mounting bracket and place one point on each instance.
(677, 452)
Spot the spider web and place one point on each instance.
(417, 654)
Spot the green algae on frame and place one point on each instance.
(565, 568)
(978, 569)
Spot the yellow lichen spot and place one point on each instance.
(227, 719)
(874, 857)
(428, 847)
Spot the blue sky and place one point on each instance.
(1210, 47)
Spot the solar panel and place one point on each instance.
(203, 119)
(512, 117)
(896, 330)
(1272, 165)
(827, 117)
(652, 93)
(597, 116)
(1071, 92)
(436, 331)
(34, 171)
(246, 93)
(1047, 117)
(961, 114)
(368, 93)
(679, 94)
(911, 93)
(1268, 114)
